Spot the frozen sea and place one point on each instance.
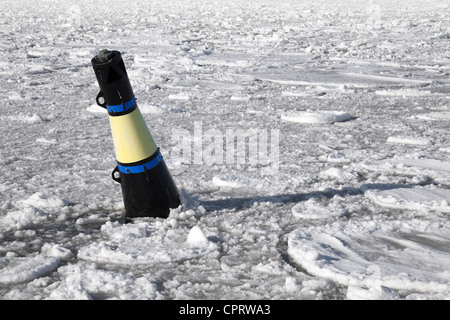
(350, 199)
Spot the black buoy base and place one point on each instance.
(150, 193)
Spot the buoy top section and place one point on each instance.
(106, 55)
(115, 87)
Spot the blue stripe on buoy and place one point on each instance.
(141, 168)
(122, 107)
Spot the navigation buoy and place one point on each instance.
(147, 187)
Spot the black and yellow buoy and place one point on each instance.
(147, 187)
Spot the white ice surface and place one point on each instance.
(356, 207)
(399, 255)
(140, 245)
(316, 116)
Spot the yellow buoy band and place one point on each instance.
(132, 139)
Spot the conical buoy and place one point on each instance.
(147, 187)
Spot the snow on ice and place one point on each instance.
(316, 116)
(354, 205)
